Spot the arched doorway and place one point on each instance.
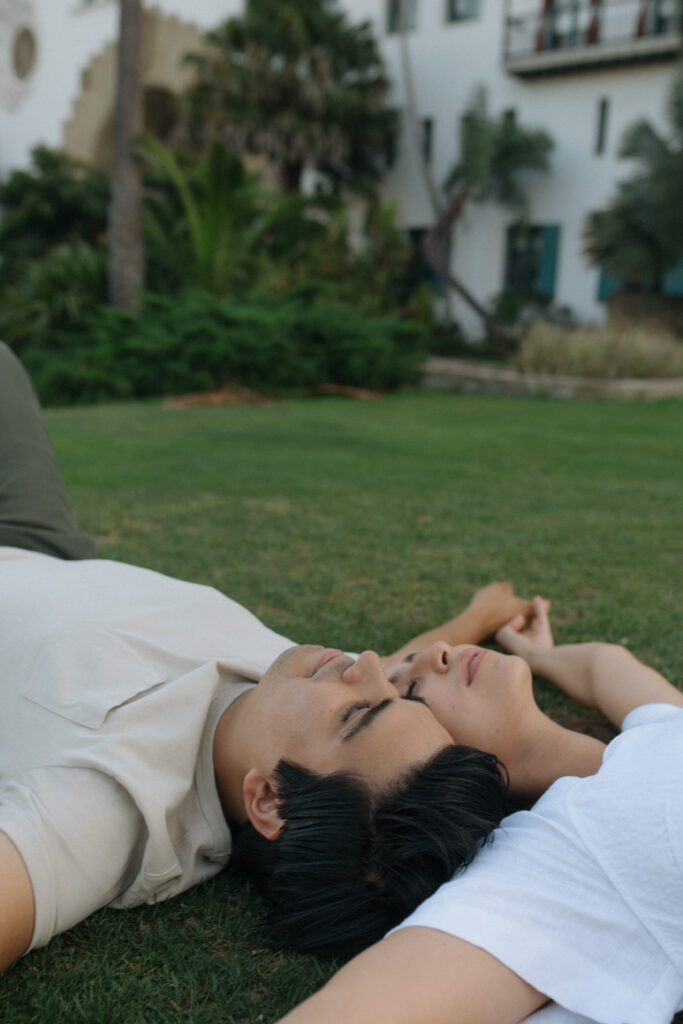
(88, 134)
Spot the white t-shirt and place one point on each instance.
(582, 896)
(112, 682)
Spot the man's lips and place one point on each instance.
(471, 662)
(327, 655)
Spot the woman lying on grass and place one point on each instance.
(578, 900)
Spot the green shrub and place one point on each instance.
(381, 275)
(198, 341)
(55, 294)
(208, 225)
(600, 352)
(56, 200)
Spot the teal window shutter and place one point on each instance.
(673, 282)
(608, 284)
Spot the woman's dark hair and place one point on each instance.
(350, 864)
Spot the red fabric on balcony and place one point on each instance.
(593, 30)
(641, 21)
(541, 33)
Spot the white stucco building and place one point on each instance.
(581, 69)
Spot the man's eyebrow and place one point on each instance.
(363, 720)
(407, 660)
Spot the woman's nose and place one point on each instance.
(434, 657)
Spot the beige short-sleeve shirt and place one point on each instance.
(112, 681)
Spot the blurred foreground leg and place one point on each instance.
(35, 511)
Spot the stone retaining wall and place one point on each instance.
(474, 378)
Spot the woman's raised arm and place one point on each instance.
(598, 675)
(490, 607)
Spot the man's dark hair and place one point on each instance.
(350, 864)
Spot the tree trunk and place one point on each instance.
(411, 105)
(126, 265)
(433, 248)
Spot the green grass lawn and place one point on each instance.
(353, 524)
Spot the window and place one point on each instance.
(658, 16)
(531, 259)
(673, 280)
(601, 127)
(461, 10)
(420, 269)
(401, 15)
(610, 283)
(564, 24)
(427, 126)
(24, 52)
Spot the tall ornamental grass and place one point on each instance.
(605, 352)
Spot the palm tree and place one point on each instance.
(219, 224)
(126, 270)
(292, 80)
(639, 235)
(494, 154)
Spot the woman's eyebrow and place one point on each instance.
(406, 661)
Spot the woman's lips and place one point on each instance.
(472, 664)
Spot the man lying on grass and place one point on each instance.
(577, 900)
(133, 739)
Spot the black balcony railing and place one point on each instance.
(561, 25)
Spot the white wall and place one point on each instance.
(65, 44)
(449, 61)
(69, 36)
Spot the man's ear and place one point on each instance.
(262, 805)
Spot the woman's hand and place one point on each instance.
(490, 607)
(497, 603)
(597, 675)
(524, 636)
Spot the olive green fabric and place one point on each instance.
(35, 511)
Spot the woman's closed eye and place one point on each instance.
(397, 678)
(411, 693)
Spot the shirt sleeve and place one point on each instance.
(551, 1013)
(650, 714)
(79, 834)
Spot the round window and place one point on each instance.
(24, 52)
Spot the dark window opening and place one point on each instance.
(427, 125)
(601, 128)
(461, 10)
(401, 15)
(161, 112)
(420, 269)
(531, 259)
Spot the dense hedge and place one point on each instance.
(197, 341)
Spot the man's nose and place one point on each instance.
(368, 668)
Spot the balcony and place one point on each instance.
(547, 37)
